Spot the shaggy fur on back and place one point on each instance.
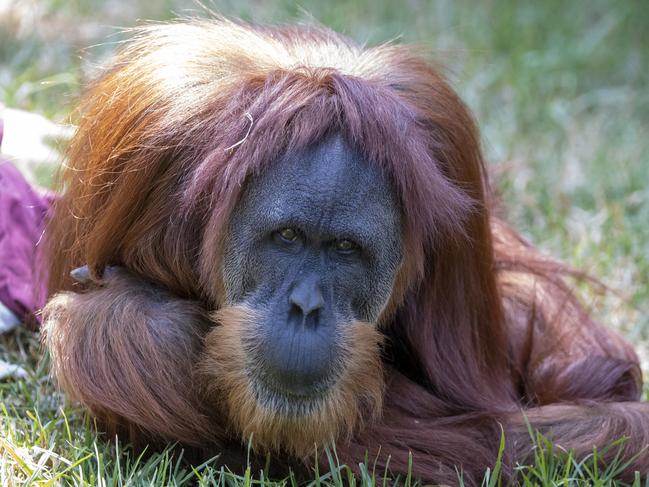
(480, 333)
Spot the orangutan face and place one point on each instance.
(312, 252)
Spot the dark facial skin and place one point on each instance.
(313, 244)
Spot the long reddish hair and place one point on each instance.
(167, 138)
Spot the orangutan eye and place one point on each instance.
(346, 246)
(288, 235)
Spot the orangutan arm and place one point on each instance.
(557, 352)
(125, 350)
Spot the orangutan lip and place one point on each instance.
(266, 385)
(289, 402)
(318, 391)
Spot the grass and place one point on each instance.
(45, 441)
(561, 93)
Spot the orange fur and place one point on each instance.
(124, 351)
(479, 325)
(355, 399)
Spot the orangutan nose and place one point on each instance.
(307, 296)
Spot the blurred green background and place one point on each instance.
(560, 91)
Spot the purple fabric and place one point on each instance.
(22, 219)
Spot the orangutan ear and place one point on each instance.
(126, 349)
